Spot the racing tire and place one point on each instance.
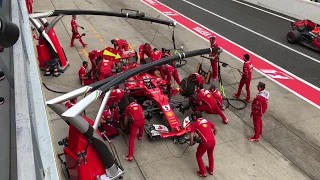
(293, 37)
(187, 87)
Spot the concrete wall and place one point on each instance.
(300, 9)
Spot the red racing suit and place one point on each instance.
(259, 107)
(29, 6)
(84, 79)
(75, 33)
(156, 55)
(245, 79)
(204, 128)
(121, 44)
(135, 111)
(105, 69)
(115, 97)
(143, 51)
(218, 97)
(171, 72)
(199, 78)
(107, 126)
(69, 104)
(214, 61)
(206, 102)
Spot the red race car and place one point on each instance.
(152, 92)
(305, 32)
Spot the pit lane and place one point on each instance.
(266, 24)
(153, 159)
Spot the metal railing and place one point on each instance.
(35, 152)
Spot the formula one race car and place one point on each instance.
(305, 32)
(152, 92)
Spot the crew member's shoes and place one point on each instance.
(210, 172)
(71, 45)
(226, 121)
(129, 158)
(201, 174)
(223, 107)
(253, 139)
(236, 95)
(139, 138)
(84, 45)
(2, 76)
(1, 100)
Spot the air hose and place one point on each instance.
(229, 100)
(53, 90)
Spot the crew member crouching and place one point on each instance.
(120, 44)
(71, 103)
(204, 129)
(218, 96)
(108, 125)
(134, 114)
(203, 100)
(170, 72)
(85, 76)
(105, 69)
(145, 49)
(117, 102)
(196, 78)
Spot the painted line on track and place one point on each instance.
(264, 11)
(252, 31)
(289, 81)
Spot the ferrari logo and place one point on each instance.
(135, 108)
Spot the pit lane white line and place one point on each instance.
(254, 32)
(264, 11)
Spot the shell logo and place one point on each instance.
(135, 108)
(205, 125)
(169, 114)
(208, 95)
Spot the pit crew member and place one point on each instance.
(120, 44)
(259, 107)
(170, 71)
(206, 131)
(105, 69)
(145, 49)
(203, 100)
(218, 96)
(196, 78)
(156, 55)
(246, 77)
(108, 125)
(214, 58)
(134, 112)
(117, 102)
(75, 32)
(71, 103)
(84, 75)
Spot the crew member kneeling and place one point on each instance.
(134, 111)
(218, 96)
(204, 101)
(259, 107)
(196, 78)
(108, 124)
(84, 76)
(204, 129)
(105, 69)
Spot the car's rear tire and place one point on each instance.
(293, 37)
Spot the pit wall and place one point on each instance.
(300, 9)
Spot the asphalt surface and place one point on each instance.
(7, 120)
(266, 24)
